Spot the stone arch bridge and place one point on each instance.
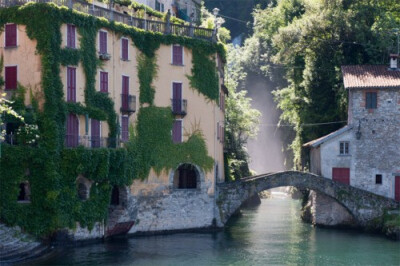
(363, 205)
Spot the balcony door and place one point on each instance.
(177, 97)
(95, 132)
(72, 136)
(125, 92)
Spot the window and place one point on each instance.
(159, 6)
(82, 191)
(177, 55)
(378, 179)
(344, 148)
(24, 192)
(177, 131)
(124, 49)
(371, 100)
(124, 128)
(71, 84)
(11, 77)
(72, 136)
(11, 35)
(71, 31)
(177, 97)
(125, 93)
(103, 42)
(95, 133)
(103, 82)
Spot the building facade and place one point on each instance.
(365, 153)
(187, 10)
(105, 92)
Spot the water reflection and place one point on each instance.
(269, 234)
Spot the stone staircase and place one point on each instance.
(17, 246)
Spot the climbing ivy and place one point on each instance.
(50, 168)
(147, 69)
(153, 147)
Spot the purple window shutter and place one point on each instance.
(71, 36)
(103, 42)
(177, 55)
(177, 131)
(95, 132)
(124, 49)
(72, 136)
(125, 92)
(125, 128)
(177, 97)
(71, 84)
(103, 81)
(11, 35)
(11, 78)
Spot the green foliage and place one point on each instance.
(69, 57)
(147, 70)
(204, 74)
(152, 144)
(241, 121)
(310, 40)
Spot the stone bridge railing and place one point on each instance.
(363, 205)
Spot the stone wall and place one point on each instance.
(378, 149)
(326, 211)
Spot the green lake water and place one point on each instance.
(270, 234)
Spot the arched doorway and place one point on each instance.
(115, 200)
(186, 176)
(24, 194)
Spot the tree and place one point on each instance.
(309, 41)
(241, 120)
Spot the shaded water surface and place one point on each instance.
(269, 234)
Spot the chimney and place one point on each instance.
(393, 61)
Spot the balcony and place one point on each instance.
(128, 103)
(179, 107)
(113, 15)
(104, 56)
(72, 141)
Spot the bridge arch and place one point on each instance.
(363, 205)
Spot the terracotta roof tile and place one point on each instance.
(370, 76)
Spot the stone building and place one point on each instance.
(178, 197)
(366, 152)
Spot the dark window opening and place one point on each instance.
(378, 179)
(82, 191)
(186, 177)
(371, 100)
(115, 196)
(24, 192)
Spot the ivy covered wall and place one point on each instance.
(52, 169)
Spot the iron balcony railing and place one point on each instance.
(128, 103)
(112, 15)
(72, 141)
(179, 107)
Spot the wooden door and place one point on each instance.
(341, 175)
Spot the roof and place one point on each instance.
(316, 142)
(370, 76)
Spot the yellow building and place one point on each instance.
(126, 69)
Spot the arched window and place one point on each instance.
(83, 187)
(115, 196)
(82, 191)
(186, 177)
(24, 192)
